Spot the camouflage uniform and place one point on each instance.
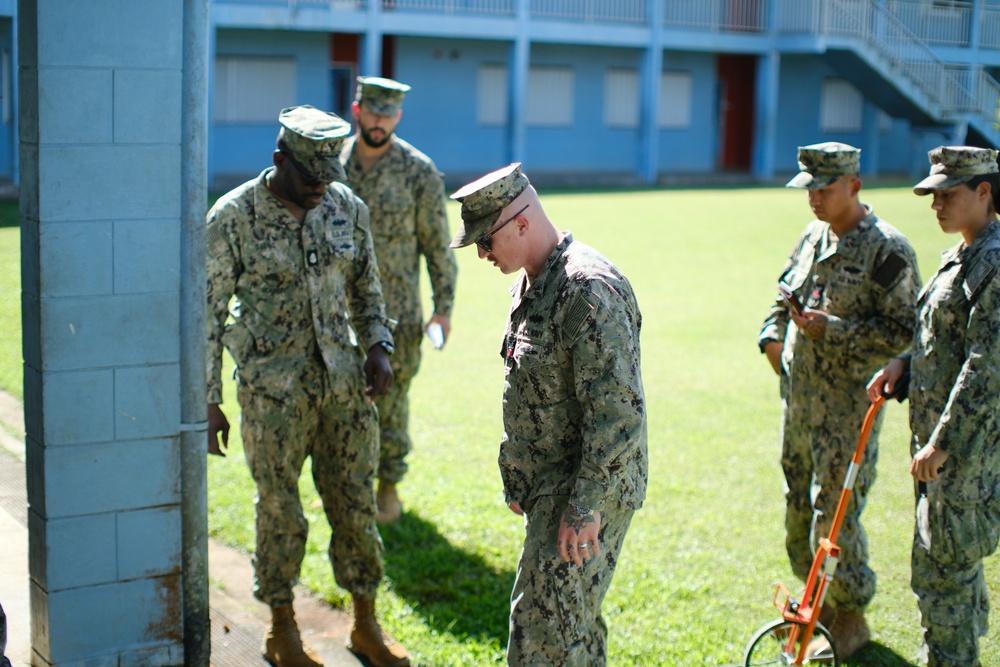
(867, 282)
(574, 433)
(954, 405)
(405, 194)
(300, 374)
(4, 662)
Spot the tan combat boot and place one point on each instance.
(371, 642)
(850, 632)
(283, 645)
(389, 507)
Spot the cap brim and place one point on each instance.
(939, 182)
(808, 181)
(469, 233)
(332, 171)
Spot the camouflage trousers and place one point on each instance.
(394, 405)
(4, 662)
(555, 607)
(280, 428)
(815, 460)
(951, 592)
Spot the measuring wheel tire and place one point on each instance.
(768, 646)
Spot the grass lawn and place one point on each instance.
(10, 303)
(703, 556)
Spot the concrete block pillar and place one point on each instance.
(101, 225)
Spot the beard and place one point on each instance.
(372, 142)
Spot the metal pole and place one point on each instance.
(194, 406)
(519, 65)
(650, 84)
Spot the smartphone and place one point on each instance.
(789, 296)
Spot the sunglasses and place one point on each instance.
(484, 241)
(308, 180)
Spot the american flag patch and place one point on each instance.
(890, 268)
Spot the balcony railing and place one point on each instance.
(716, 15)
(957, 89)
(592, 11)
(933, 24)
(879, 31)
(974, 91)
(292, 4)
(493, 7)
(990, 37)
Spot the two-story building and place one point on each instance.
(602, 91)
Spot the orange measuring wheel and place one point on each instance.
(798, 638)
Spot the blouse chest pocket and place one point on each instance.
(538, 369)
(533, 352)
(340, 244)
(274, 260)
(529, 350)
(943, 305)
(798, 273)
(393, 206)
(848, 289)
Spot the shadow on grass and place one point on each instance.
(877, 655)
(10, 213)
(455, 591)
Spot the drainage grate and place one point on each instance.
(233, 646)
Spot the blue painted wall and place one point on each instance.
(7, 133)
(900, 147)
(439, 114)
(588, 144)
(237, 151)
(693, 150)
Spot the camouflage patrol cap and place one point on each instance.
(383, 97)
(954, 165)
(822, 164)
(484, 198)
(313, 139)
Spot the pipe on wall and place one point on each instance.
(194, 407)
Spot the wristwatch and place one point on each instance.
(389, 347)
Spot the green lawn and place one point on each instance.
(703, 556)
(10, 304)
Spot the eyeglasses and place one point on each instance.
(308, 179)
(484, 241)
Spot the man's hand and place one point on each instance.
(812, 323)
(883, 383)
(444, 322)
(515, 507)
(378, 372)
(926, 464)
(217, 423)
(578, 535)
(773, 352)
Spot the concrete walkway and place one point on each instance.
(238, 619)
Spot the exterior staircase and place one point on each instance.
(879, 55)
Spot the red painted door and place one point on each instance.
(736, 75)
